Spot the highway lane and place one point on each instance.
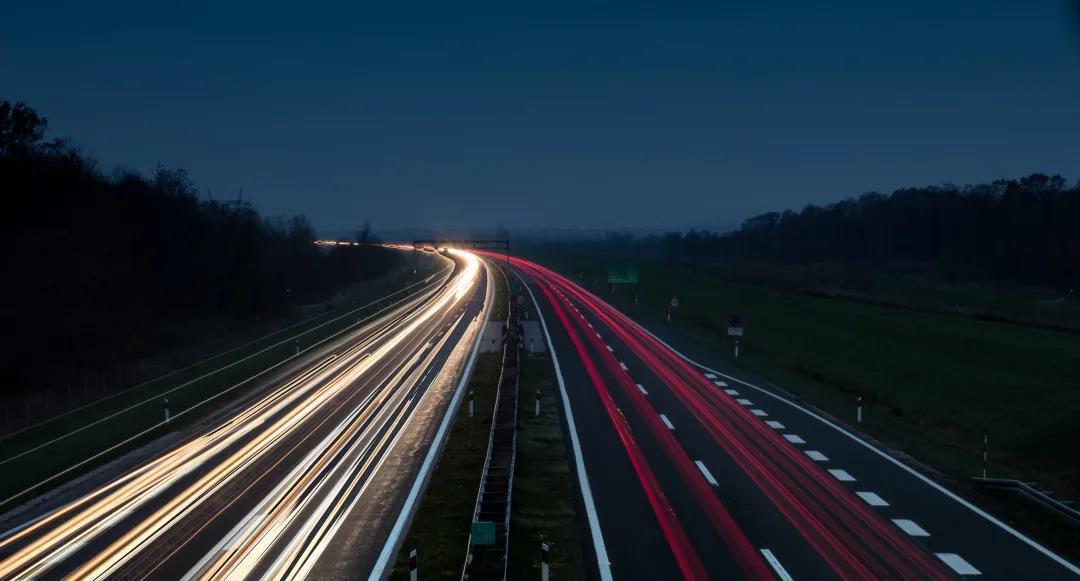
(266, 490)
(697, 472)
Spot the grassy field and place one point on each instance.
(543, 509)
(931, 384)
(29, 457)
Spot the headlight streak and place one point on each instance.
(266, 422)
(244, 550)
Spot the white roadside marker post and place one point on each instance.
(166, 409)
(538, 403)
(858, 410)
(472, 402)
(544, 572)
(412, 566)
(986, 451)
(297, 347)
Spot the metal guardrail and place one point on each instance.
(487, 557)
(1030, 490)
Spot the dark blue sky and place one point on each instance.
(575, 114)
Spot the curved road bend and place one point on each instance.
(266, 489)
(699, 472)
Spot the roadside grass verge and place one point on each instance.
(931, 384)
(440, 528)
(543, 508)
(37, 453)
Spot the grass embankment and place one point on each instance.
(543, 508)
(931, 384)
(440, 529)
(35, 454)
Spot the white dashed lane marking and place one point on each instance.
(719, 383)
(958, 564)
(909, 527)
(744, 401)
(667, 422)
(641, 388)
(731, 392)
(872, 499)
(621, 364)
(774, 425)
(609, 348)
(758, 413)
(841, 475)
(817, 456)
(794, 439)
(705, 472)
(710, 376)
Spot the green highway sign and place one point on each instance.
(622, 274)
(483, 533)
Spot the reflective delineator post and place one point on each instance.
(858, 410)
(538, 403)
(166, 409)
(736, 349)
(412, 565)
(472, 402)
(298, 347)
(544, 572)
(986, 452)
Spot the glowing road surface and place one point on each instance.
(263, 491)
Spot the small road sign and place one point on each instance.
(735, 325)
(483, 533)
(622, 274)
(674, 302)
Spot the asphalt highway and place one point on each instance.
(266, 490)
(695, 469)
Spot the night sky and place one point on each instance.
(467, 115)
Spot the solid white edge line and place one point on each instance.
(705, 472)
(602, 561)
(667, 422)
(989, 517)
(781, 572)
(404, 518)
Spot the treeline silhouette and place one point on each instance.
(100, 270)
(1023, 231)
